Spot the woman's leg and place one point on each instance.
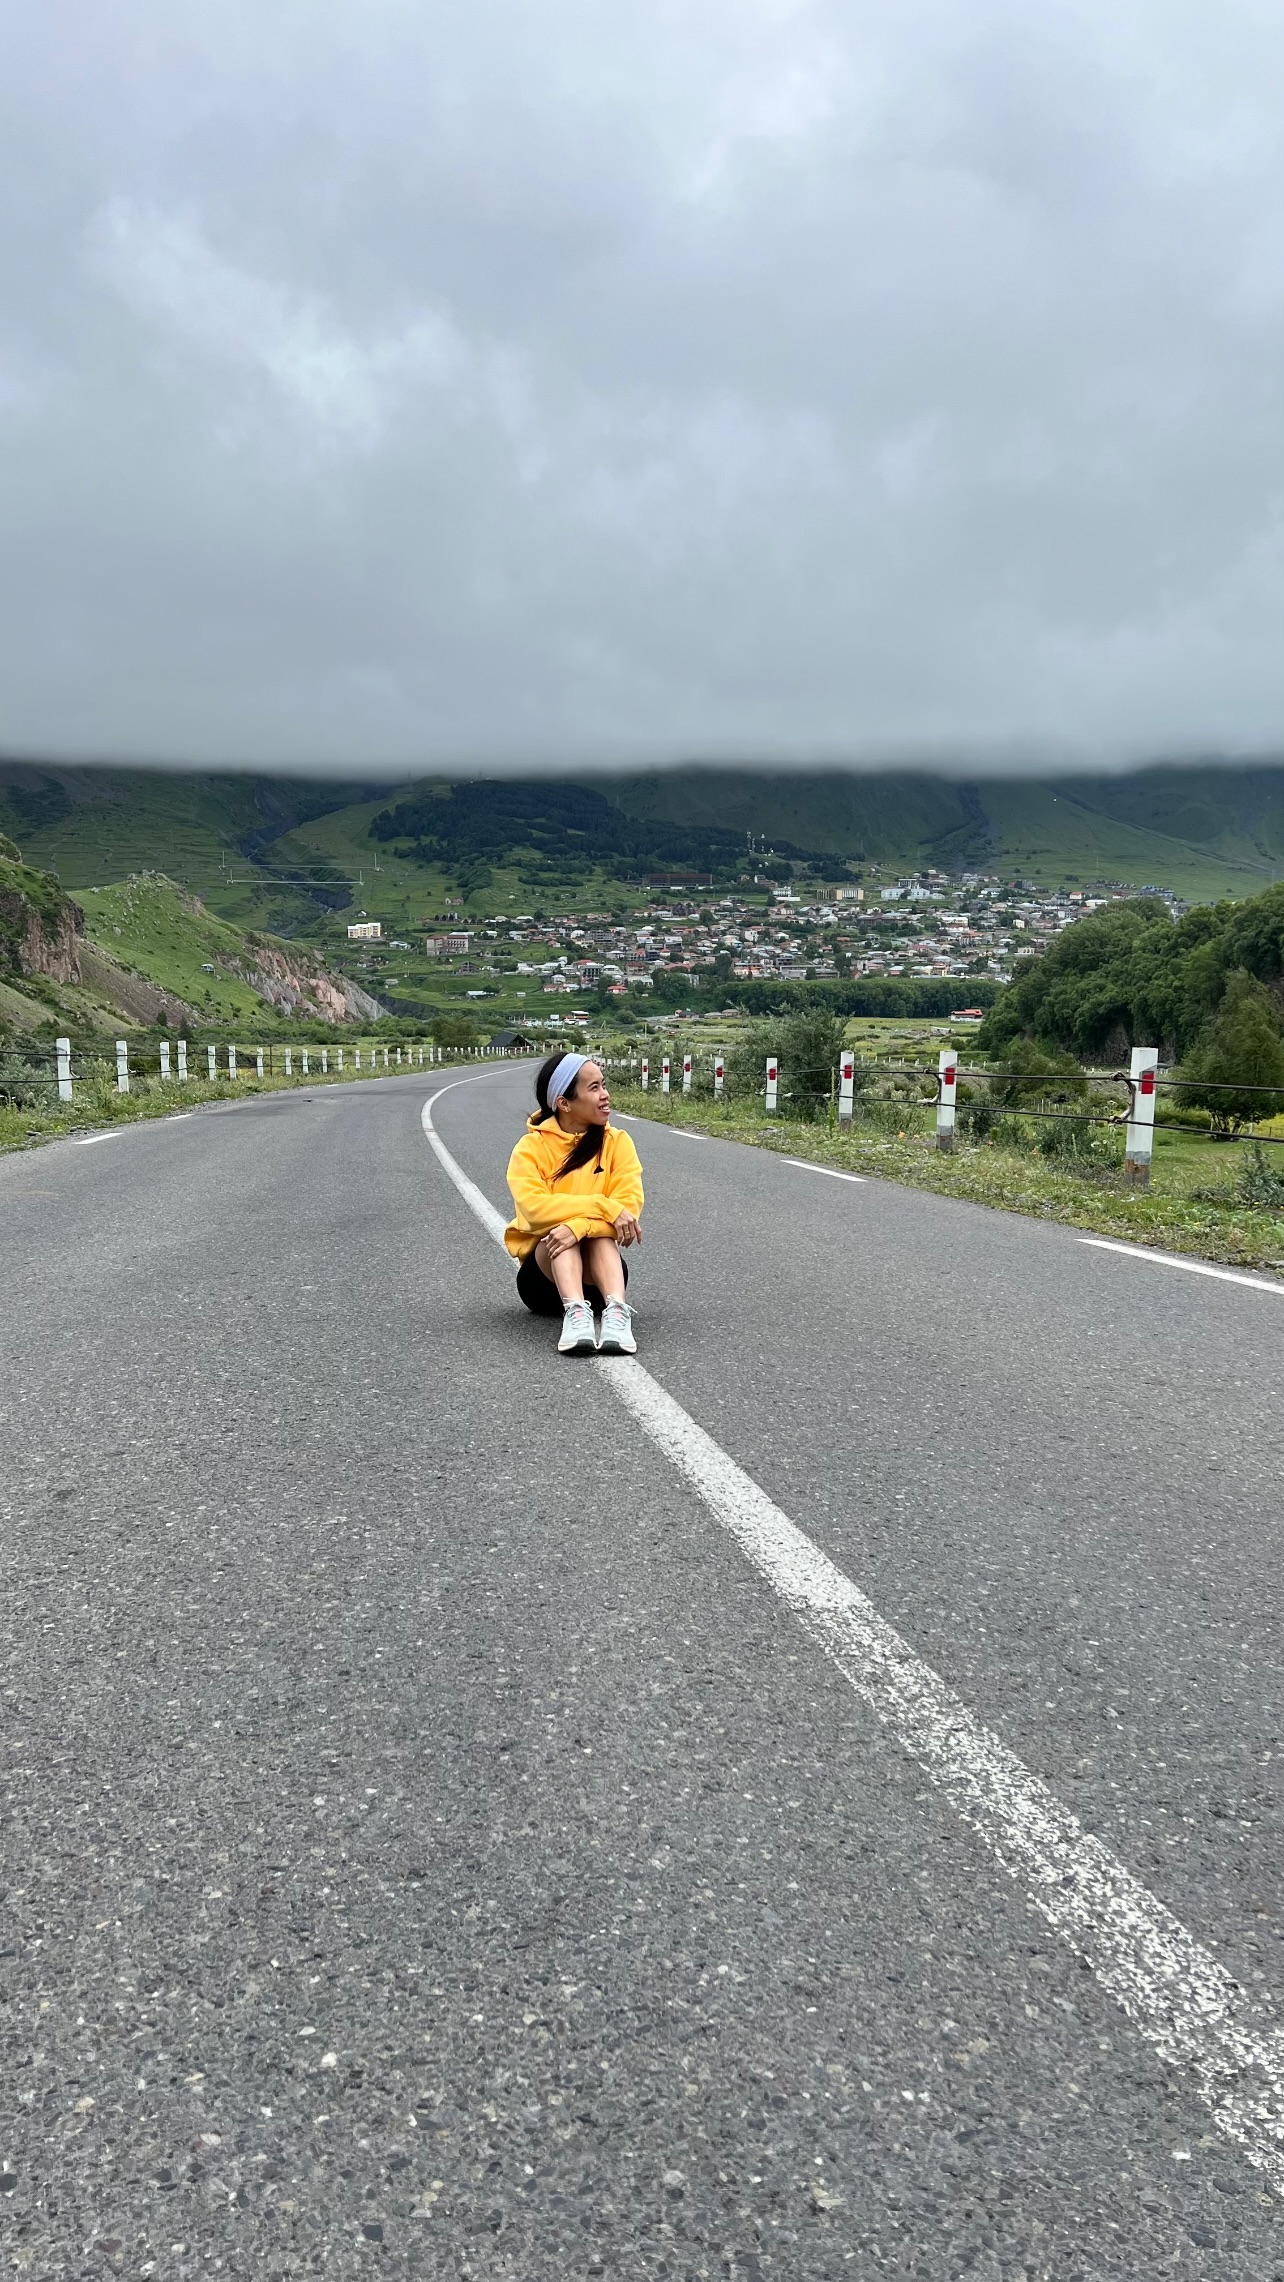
(565, 1268)
(603, 1265)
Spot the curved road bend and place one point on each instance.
(427, 1841)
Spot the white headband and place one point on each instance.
(564, 1076)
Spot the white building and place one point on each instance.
(366, 931)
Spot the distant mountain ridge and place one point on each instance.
(282, 853)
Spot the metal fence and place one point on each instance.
(1078, 1100)
(38, 1074)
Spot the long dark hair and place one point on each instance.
(588, 1149)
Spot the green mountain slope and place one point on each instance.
(292, 857)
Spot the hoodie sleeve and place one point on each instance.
(623, 1192)
(541, 1206)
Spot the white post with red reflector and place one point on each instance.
(719, 1077)
(664, 1074)
(646, 1074)
(773, 1080)
(948, 1070)
(846, 1085)
(686, 1073)
(1139, 1140)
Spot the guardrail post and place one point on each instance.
(122, 1065)
(164, 1059)
(289, 1061)
(398, 1057)
(325, 1061)
(356, 1056)
(338, 1055)
(385, 1057)
(211, 1060)
(664, 1074)
(1139, 1140)
(846, 1086)
(182, 1061)
(304, 1058)
(231, 1061)
(686, 1073)
(948, 1072)
(62, 1048)
(645, 1077)
(773, 1081)
(719, 1076)
(258, 1061)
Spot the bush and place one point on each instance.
(1075, 1139)
(26, 1083)
(1238, 1047)
(978, 1117)
(807, 1047)
(1260, 1182)
(1027, 1077)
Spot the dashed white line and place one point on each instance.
(1192, 1267)
(831, 1171)
(87, 1140)
(1175, 1992)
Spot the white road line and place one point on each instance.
(1192, 1267)
(1173, 1990)
(626, 1117)
(830, 1170)
(87, 1140)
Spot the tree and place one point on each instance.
(1239, 1047)
(454, 1030)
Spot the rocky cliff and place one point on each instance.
(299, 982)
(41, 929)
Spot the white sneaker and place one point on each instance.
(577, 1329)
(617, 1329)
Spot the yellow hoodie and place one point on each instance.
(587, 1200)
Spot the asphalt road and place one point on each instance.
(428, 1847)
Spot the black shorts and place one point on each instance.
(540, 1294)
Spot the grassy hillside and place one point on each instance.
(215, 834)
(152, 925)
(1204, 833)
(291, 856)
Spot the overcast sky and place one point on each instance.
(391, 384)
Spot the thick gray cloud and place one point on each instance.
(386, 383)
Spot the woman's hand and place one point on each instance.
(628, 1230)
(560, 1239)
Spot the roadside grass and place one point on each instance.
(1191, 1205)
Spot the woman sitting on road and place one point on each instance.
(577, 1186)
